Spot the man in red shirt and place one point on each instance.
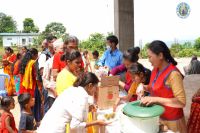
(70, 43)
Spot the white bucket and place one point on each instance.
(139, 125)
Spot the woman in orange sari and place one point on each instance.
(8, 60)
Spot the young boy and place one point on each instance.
(27, 121)
(95, 55)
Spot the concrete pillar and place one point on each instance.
(124, 23)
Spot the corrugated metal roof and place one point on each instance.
(19, 34)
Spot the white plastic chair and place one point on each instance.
(3, 78)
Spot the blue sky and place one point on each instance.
(154, 19)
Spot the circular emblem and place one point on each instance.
(183, 10)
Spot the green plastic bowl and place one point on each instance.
(133, 109)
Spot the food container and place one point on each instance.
(101, 72)
(135, 118)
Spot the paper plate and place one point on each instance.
(102, 117)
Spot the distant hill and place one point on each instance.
(169, 43)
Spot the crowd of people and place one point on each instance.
(54, 87)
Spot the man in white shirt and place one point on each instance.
(46, 53)
(48, 82)
(47, 46)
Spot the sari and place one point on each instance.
(7, 63)
(29, 84)
(28, 79)
(16, 76)
(193, 125)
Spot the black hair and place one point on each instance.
(139, 68)
(147, 76)
(86, 78)
(9, 49)
(136, 68)
(132, 54)
(158, 47)
(28, 56)
(136, 50)
(18, 56)
(112, 39)
(6, 102)
(72, 55)
(49, 38)
(25, 47)
(85, 52)
(194, 57)
(24, 99)
(96, 53)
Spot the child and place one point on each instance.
(95, 55)
(86, 61)
(7, 119)
(27, 122)
(136, 90)
(15, 70)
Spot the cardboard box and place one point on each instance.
(107, 96)
(108, 92)
(109, 81)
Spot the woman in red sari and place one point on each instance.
(194, 120)
(28, 80)
(28, 72)
(8, 60)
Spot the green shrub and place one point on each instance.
(95, 41)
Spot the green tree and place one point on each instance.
(95, 41)
(1, 41)
(175, 48)
(189, 52)
(143, 52)
(110, 33)
(197, 44)
(29, 26)
(7, 23)
(187, 45)
(65, 36)
(55, 28)
(39, 39)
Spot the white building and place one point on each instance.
(18, 39)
